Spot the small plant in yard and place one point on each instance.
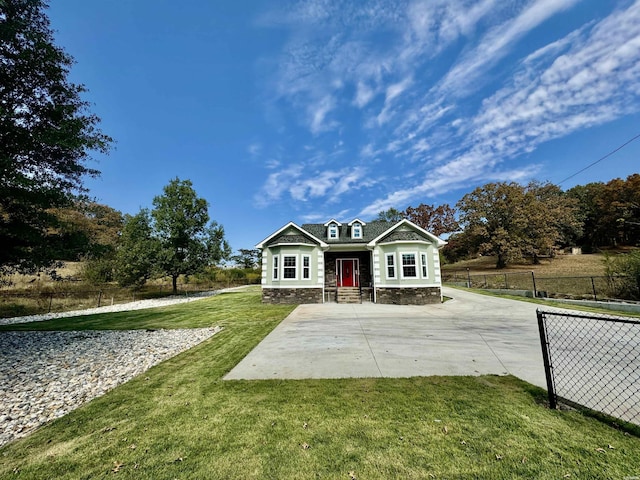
(182, 420)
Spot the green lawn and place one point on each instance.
(181, 420)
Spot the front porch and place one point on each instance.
(348, 277)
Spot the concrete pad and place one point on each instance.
(469, 335)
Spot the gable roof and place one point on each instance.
(392, 235)
(279, 237)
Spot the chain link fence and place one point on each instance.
(592, 361)
(581, 288)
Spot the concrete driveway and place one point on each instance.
(469, 335)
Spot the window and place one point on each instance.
(409, 265)
(423, 261)
(306, 267)
(333, 231)
(289, 266)
(275, 267)
(356, 231)
(391, 267)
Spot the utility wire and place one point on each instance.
(600, 159)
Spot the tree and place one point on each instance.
(138, 251)
(437, 220)
(46, 136)
(247, 258)
(512, 221)
(188, 244)
(86, 229)
(390, 215)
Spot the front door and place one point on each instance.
(347, 273)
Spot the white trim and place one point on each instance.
(302, 267)
(295, 267)
(408, 285)
(424, 265)
(275, 268)
(415, 265)
(295, 287)
(358, 227)
(438, 241)
(331, 229)
(355, 276)
(354, 221)
(296, 244)
(333, 220)
(261, 245)
(386, 266)
(412, 242)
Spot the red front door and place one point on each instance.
(348, 277)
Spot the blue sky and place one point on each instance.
(302, 111)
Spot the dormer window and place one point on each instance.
(356, 228)
(332, 229)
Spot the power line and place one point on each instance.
(600, 159)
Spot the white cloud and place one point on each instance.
(463, 77)
(318, 112)
(254, 149)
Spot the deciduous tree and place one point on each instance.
(437, 220)
(46, 135)
(512, 221)
(390, 215)
(138, 251)
(188, 242)
(247, 258)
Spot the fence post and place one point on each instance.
(99, 297)
(506, 282)
(547, 361)
(533, 278)
(468, 278)
(593, 285)
(50, 302)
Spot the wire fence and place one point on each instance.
(592, 361)
(69, 297)
(577, 287)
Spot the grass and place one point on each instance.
(37, 294)
(549, 302)
(181, 420)
(560, 266)
(565, 276)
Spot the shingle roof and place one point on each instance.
(370, 231)
(291, 239)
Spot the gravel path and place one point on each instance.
(45, 375)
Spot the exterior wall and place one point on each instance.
(291, 295)
(316, 266)
(432, 257)
(409, 296)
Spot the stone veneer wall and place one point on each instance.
(291, 295)
(409, 296)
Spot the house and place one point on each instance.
(382, 262)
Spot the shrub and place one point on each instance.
(623, 275)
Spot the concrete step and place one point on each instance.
(348, 295)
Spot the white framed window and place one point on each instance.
(423, 264)
(306, 267)
(391, 265)
(289, 267)
(276, 266)
(333, 231)
(409, 269)
(356, 230)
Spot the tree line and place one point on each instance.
(512, 221)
